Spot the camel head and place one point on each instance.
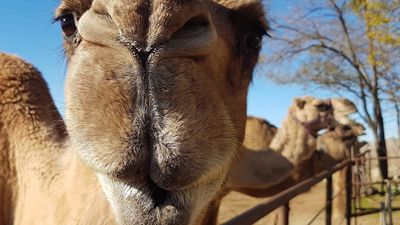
(317, 114)
(343, 108)
(156, 98)
(338, 140)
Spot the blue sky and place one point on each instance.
(26, 29)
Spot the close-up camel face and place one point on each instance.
(156, 98)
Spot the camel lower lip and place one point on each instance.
(146, 205)
(167, 212)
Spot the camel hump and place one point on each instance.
(21, 82)
(13, 67)
(259, 133)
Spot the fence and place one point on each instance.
(282, 200)
(362, 179)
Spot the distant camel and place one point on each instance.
(294, 142)
(260, 168)
(337, 143)
(333, 146)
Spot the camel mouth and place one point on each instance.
(158, 195)
(160, 206)
(147, 203)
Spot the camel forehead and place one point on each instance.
(254, 7)
(310, 102)
(316, 101)
(141, 19)
(148, 22)
(228, 3)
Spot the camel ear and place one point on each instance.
(300, 103)
(258, 169)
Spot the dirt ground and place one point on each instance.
(302, 209)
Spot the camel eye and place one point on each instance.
(67, 22)
(323, 107)
(255, 37)
(196, 23)
(254, 40)
(346, 128)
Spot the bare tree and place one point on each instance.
(349, 46)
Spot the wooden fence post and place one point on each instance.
(328, 210)
(388, 203)
(382, 214)
(348, 193)
(283, 214)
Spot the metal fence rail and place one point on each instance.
(282, 199)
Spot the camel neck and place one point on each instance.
(293, 141)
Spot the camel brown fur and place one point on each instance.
(259, 133)
(36, 165)
(155, 113)
(32, 134)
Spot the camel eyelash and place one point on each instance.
(263, 29)
(61, 16)
(64, 14)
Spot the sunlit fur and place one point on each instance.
(145, 142)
